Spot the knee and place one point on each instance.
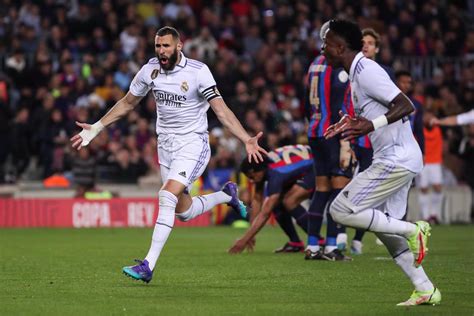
(338, 211)
(438, 188)
(289, 203)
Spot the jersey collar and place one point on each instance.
(356, 60)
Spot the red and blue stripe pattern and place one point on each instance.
(320, 110)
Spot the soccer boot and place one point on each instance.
(356, 247)
(141, 271)
(418, 242)
(336, 255)
(231, 189)
(290, 247)
(314, 255)
(423, 298)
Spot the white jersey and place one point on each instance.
(181, 94)
(465, 118)
(372, 91)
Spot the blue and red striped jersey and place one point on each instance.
(287, 164)
(324, 96)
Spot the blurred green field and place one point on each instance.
(78, 272)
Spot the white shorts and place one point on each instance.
(381, 186)
(431, 174)
(183, 157)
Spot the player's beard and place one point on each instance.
(171, 61)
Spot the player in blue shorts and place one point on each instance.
(328, 91)
(282, 182)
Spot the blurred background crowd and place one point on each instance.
(65, 61)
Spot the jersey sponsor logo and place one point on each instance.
(184, 86)
(183, 174)
(169, 99)
(154, 73)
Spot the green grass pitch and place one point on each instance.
(78, 272)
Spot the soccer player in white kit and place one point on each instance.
(376, 199)
(183, 89)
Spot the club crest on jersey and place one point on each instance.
(154, 73)
(184, 86)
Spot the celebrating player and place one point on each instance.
(288, 176)
(376, 199)
(183, 89)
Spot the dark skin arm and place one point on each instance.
(268, 205)
(353, 127)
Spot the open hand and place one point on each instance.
(254, 151)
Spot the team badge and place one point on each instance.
(184, 86)
(154, 74)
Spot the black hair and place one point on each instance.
(253, 166)
(168, 30)
(401, 73)
(349, 31)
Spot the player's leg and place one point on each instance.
(355, 205)
(321, 195)
(398, 248)
(285, 222)
(335, 230)
(436, 194)
(298, 193)
(190, 168)
(424, 193)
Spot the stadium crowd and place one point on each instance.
(67, 61)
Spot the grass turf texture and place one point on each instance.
(69, 271)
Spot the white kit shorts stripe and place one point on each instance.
(381, 186)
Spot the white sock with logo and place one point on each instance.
(202, 204)
(397, 246)
(164, 225)
(417, 276)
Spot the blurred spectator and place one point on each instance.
(83, 170)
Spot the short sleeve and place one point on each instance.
(139, 87)
(206, 84)
(376, 83)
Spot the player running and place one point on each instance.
(376, 199)
(183, 89)
(285, 178)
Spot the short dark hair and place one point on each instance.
(401, 73)
(349, 31)
(253, 166)
(371, 32)
(168, 30)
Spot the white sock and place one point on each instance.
(313, 248)
(373, 220)
(202, 204)
(164, 225)
(417, 276)
(329, 249)
(424, 201)
(436, 204)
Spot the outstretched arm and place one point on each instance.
(119, 110)
(268, 204)
(353, 127)
(228, 119)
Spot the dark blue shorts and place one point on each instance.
(326, 157)
(364, 157)
(308, 181)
